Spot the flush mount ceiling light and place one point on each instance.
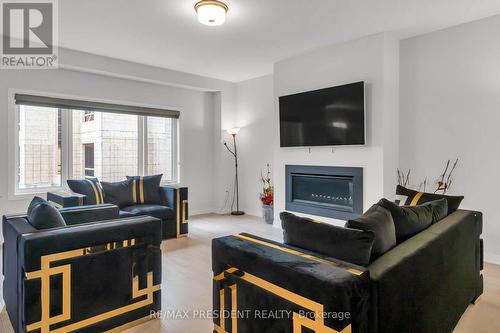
(211, 12)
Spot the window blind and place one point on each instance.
(63, 103)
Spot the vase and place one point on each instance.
(268, 214)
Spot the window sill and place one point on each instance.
(29, 194)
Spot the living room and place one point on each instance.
(232, 103)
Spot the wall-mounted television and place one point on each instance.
(326, 117)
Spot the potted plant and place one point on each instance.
(267, 197)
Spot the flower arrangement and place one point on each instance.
(267, 195)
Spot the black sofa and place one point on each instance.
(98, 273)
(173, 210)
(424, 284)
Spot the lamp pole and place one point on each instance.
(236, 185)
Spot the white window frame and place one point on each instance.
(16, 193)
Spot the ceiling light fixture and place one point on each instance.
(211, 12)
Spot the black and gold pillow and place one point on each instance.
(418, 198)
(146, 189)
(90, 187)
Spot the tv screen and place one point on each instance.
(325, 117)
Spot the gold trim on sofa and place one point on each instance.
(47, 271)
(184, 211)
(181, 217)
(317, 325)
(298, 253)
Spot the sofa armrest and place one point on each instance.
(90, 213)
(169, 196)
(439, 266)
(66, 199)
(291, 281)
(176, 198)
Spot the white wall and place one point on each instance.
(373, 60)
(450, 107)
(255, 140)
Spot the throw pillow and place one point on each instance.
(42, 215)
(439, 209)
(415, 198)
(378, 220)
(408, 220)
(146, 189)
(119, 193)
(346, 244)
(90, 187)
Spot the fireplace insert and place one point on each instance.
(335, 192)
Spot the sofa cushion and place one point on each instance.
(124, 213)
(118, 193)
(90, 188)
(408, 220)
(378, 220)
(415, 198)
(346, 244)
(146, 189)
(158, 211)
(42, 215)
(439, 209)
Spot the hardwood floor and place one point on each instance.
(187, 279)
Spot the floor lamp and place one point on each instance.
(234, 152)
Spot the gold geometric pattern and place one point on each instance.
(184, 215)
(351, 270)
(46, 271)
(181, 218)
(317, 325)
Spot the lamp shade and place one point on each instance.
(233, 131)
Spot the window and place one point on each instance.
(88, 150)
(160, 147)
(107, 145)
(40, 146)
(88, 116)
(115, 145)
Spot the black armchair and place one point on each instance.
(91, 276)
(264, 286)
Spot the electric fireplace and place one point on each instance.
(335, 192)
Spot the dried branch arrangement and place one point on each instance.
(423, 185)
(443, 183)
(403, 179)
(446, 179)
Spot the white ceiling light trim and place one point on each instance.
(211, 12)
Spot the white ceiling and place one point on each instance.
(257, 33)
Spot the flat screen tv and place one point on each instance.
(326, 117)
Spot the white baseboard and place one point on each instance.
(492, 258)
(202, 211)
